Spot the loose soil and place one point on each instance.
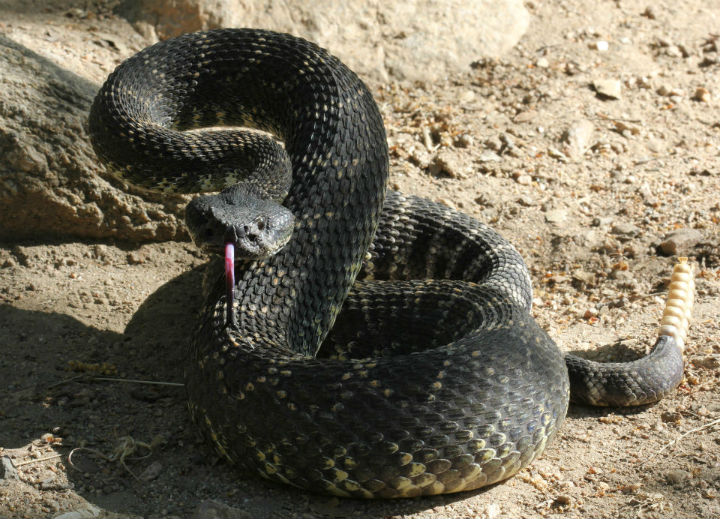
(586, 186)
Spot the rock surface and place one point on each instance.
(49, 175)
(416, 40)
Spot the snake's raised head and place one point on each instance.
(257, 227)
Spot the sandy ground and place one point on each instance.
(587, 186)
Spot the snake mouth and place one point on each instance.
(230, 320)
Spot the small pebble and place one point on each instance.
(623, 127)
(152, 471)
(7, 469)
(562, 500)
(448, 163)
(464, 141)
(83, 513)
(649, 13)
(508, 145)
(577, 137)
(645, 191)
(675, 477)
(489, 156)
(600, 45)
(145, 394)
(484, 200)
(218, 510)
(608, 88)
(525, 201)
(589, 239)
(708, 362)
(133, 258)
(523, 179)
(671, 416)
(556, 216)
(655, 145)
(673, 51)
(446, 202)
(621, 275)
(680, 242)
(100, 251)
(618, 147)
(47, 483)
(701, 94)
(625, 230)
(525, 116)
(557, 154)
(493, 143)
(467, 96)
(669, 91)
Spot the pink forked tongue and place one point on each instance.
(230, 320)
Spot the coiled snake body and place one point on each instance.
(434, 378)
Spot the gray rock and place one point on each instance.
(680, 242)
(90, 511)
(625, 230)
(50, 183)
(87, 512)
(7, 469)
(414, 40)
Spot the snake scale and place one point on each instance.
(386, 349)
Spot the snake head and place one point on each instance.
(257, 227)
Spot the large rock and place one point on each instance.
(412, 40)
(49, 175)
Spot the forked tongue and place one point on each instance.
(230, 320)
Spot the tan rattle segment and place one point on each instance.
(679, 302)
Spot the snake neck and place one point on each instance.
(333, 134)
(335, 138)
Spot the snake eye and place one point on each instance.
(250, 233)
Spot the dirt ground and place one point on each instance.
(586, 185)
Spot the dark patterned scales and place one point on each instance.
(424, 386)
